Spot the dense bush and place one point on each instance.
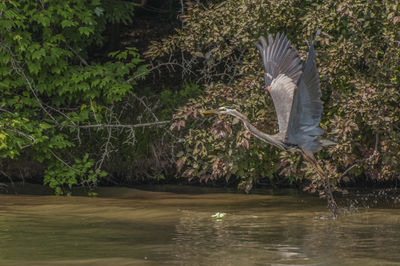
(359, 64)
(53, 96)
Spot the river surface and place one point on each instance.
(195, 226)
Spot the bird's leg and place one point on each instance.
(327, 188)
(328, 191)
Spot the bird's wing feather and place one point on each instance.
(283, 69)
(306, 113)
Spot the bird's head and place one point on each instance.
(229, 111)
(221, 110)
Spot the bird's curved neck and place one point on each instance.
(271, 139)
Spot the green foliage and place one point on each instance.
(117, 11)
(61, 176)
(49, 87)
(359, 63)
(172, 99)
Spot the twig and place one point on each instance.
(11, 181)
(130, 137)
(21, 72)
(77, 55)
(94, 112)
(182, 12)
(22, 177)
(376, 143)
(146, 106)
(65, 163)
(5, 110)
(364, 160)
(22, 134)
(239, 59)
(157, 67)
(61, 113)
(106, 151)
(158, 123)
(348, 169)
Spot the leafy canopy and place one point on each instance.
(50, 86)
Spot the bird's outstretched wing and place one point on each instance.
(282, 71)
(306, 112)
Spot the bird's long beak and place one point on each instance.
(214, 111)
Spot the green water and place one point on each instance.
(179, 227)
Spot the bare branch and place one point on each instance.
(5, 110)
(65, 163)
(94, 112)
(77, 55)
(106, 145)
(146, 106)
(168, 64)
(158, 123)
(10, 179)
(347, 170)
(19, 132)
(21, 72)
(363, 160)
(376, 143)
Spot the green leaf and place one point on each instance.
(85, 31)
(68, 23)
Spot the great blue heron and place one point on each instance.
(296, 94)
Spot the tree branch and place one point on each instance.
(17, 68)
(168, 64)
(158, 123)
(65, 163)
(19, 132)
(77, 55)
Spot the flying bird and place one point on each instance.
(295, 90)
